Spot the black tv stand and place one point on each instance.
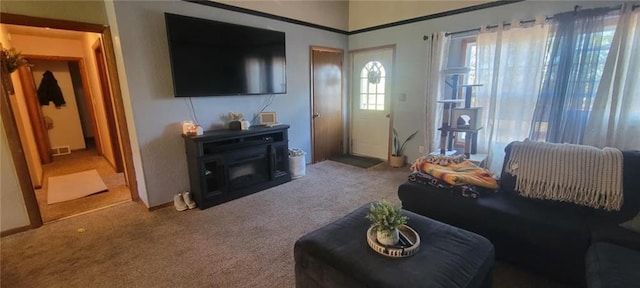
(228, 164)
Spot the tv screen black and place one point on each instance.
(211, 58)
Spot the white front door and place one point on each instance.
(371, 90)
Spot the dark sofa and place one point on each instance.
(548, 237)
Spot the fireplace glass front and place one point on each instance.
(249, 168)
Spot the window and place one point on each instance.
(372, 86)
(469, 60)
(574, 65)
(589, 55)
(470, 57)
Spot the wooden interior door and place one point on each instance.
(327, 110)
(35, 114)
(108, 106)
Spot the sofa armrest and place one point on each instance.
(616, 235)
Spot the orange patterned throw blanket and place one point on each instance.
(455, 171)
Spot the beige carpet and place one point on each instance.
(247, 242)
(74, 186)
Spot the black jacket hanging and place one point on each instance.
(50, 91)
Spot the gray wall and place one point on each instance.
(13, 211)
(158, 115)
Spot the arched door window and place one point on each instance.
(372, 85)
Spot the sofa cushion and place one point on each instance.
(612, 266)
(544, 223)
(631, 187)
(543, 235)
(537, 234)
(536, 221)
(633, 224)
(630, 183)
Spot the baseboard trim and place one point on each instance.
(160, 206)
(15, 230)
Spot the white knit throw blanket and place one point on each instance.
(580, 174)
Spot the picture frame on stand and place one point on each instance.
(268, 119)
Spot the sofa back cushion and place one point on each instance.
(630, 184)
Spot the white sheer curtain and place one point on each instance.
(437, 51)
(510, 65)
(614, 120)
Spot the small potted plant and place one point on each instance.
(397, 158)
(385, 219)
(12, 59)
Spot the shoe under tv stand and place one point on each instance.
(224, 165)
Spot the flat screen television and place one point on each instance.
(211, 58)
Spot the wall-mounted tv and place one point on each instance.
(211, 58)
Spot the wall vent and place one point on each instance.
(60, 150)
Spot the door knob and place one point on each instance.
(388, 115)
(316, 115)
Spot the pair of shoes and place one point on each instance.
(188, 200)
(179, 203)
(183, 201)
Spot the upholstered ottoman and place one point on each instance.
(337, 255)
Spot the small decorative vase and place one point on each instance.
(244, 125)
(388, 238)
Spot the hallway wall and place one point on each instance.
(11, 215)
(67, 128)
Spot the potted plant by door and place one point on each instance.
(397, 158)
(385, 219)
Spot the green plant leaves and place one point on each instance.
(385, 216)
(398, 149)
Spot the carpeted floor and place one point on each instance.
(247, 242)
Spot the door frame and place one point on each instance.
(392, 47)
(107, 101)
(15, 146)
(19, 162)
(313, 99)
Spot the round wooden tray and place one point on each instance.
(395, 251)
